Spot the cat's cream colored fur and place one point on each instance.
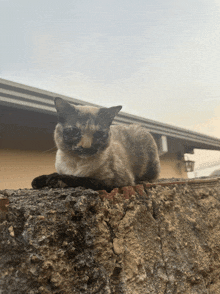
(131, 155)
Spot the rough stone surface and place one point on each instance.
(133, 240)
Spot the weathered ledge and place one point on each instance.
(156, 238)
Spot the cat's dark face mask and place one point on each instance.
(85, 143)
(85, 130)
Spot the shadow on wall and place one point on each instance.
(216, 173)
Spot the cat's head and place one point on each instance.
(83, 130)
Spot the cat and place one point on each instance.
(94, 153)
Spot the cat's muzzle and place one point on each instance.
(85, 151)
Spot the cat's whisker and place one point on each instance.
(50, 150)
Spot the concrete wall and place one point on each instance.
(19, 167)
(133, 241)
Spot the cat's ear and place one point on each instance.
(63, 108)
(106, 115)
(113, 111)
(61, 105)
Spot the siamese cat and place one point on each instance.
(94, 153)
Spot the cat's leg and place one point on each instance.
(151, 173)
(60, 181)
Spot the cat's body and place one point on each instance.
(96, 154)
(129, 156)
(124, 162)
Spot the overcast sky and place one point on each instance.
(160, 59)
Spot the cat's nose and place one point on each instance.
(86, 141)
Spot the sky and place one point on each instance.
(159, 59)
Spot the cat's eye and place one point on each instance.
(71, 133)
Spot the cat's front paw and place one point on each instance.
(55, 181)
(39, 182)
(45, 181)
